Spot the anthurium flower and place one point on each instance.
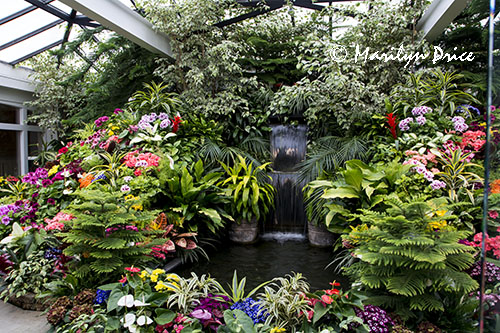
(128, 321)
(133, 269)
(327, 299)
(201, 314)
(144, 320)
(127, 300)
(138, 303)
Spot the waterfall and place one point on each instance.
(288, 148)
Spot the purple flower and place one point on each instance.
(144, 125)
(51, 201)
(152, 117)
(117, 110)
(421, 110)
(421, 120)
(127, 178)
(165, 123)
(428, 175)
(437, 184)
(125, 188)
(163, 116)
(6, 220)
(201, 314)
(404, 124)
(35, 195)
(46, 182)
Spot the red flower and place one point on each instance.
(123, 279)
(335, 284)
(133, 269)
(391, 121)
(327, 299)
(175, 123)
(63, 150)
(332, 292)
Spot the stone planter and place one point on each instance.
(244, 232)
(29, 302)
(319, 235)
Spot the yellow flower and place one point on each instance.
(53, 170)
(441, 213)
(154, 277)
(111, 133)
(129, 197)
(137, 207)
(114, 128)
(143, 275)
(437, 225)
(278, 330)
(160, 286)
(158, 271)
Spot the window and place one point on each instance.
(19, 141)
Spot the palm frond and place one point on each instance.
(330, 153)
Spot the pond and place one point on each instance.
(274, 255)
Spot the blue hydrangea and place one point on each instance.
(101, 296)
(252, 309)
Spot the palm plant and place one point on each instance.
(44, 153)
(330, 153)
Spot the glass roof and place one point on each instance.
(26, 30)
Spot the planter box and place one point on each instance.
(319, 235)
(245, 232)
(29, 302)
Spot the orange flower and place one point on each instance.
(86, 180)
(495, 186)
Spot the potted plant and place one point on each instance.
(251, 198)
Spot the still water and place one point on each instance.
(269, 258)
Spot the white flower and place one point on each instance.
(171, 160)
(67, 191)
(127, 300)
(144, 320)
(66, 173)
(128, 321)
(140, 303)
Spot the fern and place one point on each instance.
(404, 263)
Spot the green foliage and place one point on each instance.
(192, 196)
(30, 275)
(103, 253)
(237, 289)
(155, 98)
(250, 196)
(443, 92)
(237, 321)
(358, 186)
(409, 259)
(186, 292)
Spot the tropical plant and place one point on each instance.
(155, 98)
(250, 197)
(329, 153)
(410, 257)
(102, 235)
(358, 186)
(237, 289)
(285, 302)
(192, 196)
(456, 173)
(112, 168)
(441, 91)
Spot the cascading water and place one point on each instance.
(288, 148)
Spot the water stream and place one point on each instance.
(288, 148)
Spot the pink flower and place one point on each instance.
(493, 214)
(133, 269)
